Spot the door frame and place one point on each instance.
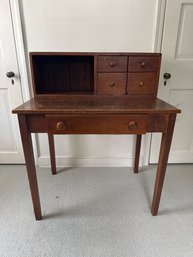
(161, 11)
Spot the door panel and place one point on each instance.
(177, 50)
(184, 49)
(10, 94)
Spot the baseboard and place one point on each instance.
(87, 161)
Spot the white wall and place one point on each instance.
(90, 25)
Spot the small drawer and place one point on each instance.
(143, 63)
(97, 124)
(112, 64)
(112, 83)
(142, 83)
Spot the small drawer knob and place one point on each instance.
(132, 125)
(60, 125)
(141, 84)
(143, 64)
(112, 84)
(112, 64)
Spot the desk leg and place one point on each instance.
(30, 165)
(163, 158)
(52, 153)
(137, 153)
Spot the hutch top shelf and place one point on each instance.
(116, 74)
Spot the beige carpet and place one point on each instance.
(96, 212)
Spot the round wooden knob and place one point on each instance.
(60, 125)
(143, 64)
(132, 125)
(141, 84)
(112, 84)
(112, 64)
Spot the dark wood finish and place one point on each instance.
(95, 76)
(97, 124)
(106, 115)
(111, 83)
(112, 63)
(36, 123)
(143, 63)
(162, 163)
(53, 73)
(97, 105)
(74, 93)
(30, 165)
(62, 74)
(142, 83)
(137, 153)
(157, 122)
(52, 153)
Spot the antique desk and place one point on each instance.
(95, 93)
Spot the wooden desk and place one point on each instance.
(95, 114)
(95, 93)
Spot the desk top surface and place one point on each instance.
(94, 105)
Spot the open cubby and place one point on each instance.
(57, 74)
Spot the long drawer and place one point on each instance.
(98, 124)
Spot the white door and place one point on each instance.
(177, 50)
(10, 94)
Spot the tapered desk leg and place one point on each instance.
(30, 165)
(137, 153)
(52, 153)
(163, 158)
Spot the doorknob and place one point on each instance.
(10, 74)
(166, 76)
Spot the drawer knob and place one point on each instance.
(60, 125)
(112, 84)
(132, 125)
(141, 84)
(112, 64)
(143, 64)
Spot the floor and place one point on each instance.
(96, 212)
